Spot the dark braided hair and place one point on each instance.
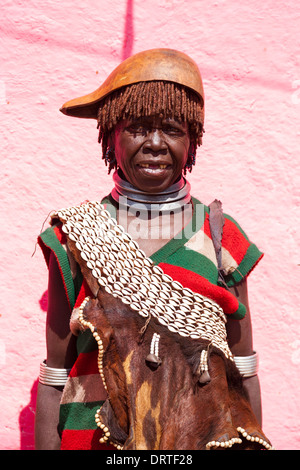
(162, 98)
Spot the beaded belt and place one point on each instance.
(123, 270)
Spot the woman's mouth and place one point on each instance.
(153, 170)
(159, 166)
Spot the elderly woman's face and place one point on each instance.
(151, 151)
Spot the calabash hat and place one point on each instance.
(154, 64)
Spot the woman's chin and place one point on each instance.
(153, 179)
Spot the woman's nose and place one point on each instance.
(155, 141)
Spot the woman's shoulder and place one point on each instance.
(239, 253)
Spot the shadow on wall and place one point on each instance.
(44, 301)
(26, 421)
(27, 415)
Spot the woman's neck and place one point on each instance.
(158, 218)
(170, 200)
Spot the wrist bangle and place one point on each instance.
(53, 376)
(247, 365)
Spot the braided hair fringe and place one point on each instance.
(143, 99)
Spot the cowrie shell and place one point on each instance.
(118, 286)
(164, 295)
(148, 262)
(133, 245)
(126, 237)
(111, 279)
(163, 321)
(96, 273)
(84, 255)
(144, 313)
(127, 292)
(183, 333)
(91, 264)
(198, 298)
(155, 277)
(176, 285)
(169, 310)
(73, 237)
(102, 281)
(78, 245)
(158, 270)
(187, 300)
(66, 228)
(195, 335)
(159, 310)
(104, 213)
(138, 263)
(126, 299)
(173, 328)
(135, 306)
(140, 254)
(108, 289)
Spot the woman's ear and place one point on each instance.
(191, 159)
(111, 139)
(192, 148)
(110, 157)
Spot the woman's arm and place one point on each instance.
(61, 353)
(241, 344)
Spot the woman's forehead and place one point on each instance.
(154, 120)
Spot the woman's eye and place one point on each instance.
(137, 129)
(172, 130)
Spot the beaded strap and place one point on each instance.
(87, 324)
(237, 440)
(119, 266)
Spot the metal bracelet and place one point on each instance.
(53, 376)
(247, 365)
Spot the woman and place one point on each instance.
(150, 114)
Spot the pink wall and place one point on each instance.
(248, 51)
